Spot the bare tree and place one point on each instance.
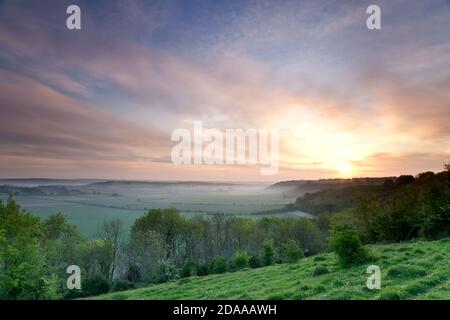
(111, 236)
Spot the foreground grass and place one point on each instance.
(411, 270)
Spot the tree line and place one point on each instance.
(162, 245)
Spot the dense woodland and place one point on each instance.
(163, 244)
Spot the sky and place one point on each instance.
(102, 102)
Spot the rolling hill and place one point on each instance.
(410, 270)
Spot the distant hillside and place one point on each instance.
(299, 187)
(333, 199)
(54, 187)
(36, 182)
(409, 270)
(128, 183)
(45, 190)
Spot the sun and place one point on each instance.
(345, 168)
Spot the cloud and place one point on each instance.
(37, 120)
(112, 93)
(388, 164)
(413, 107)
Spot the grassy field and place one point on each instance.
(127, 203)
(410, 270)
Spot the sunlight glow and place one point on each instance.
(344, 168)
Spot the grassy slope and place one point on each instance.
(412, 270)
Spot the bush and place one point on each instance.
(268, 253)
(202, 270)
(240, 260)
(320, 270)
(254, 262)
(95, 285)
(122, 285)
(346, 243)
(436, 223)
(291, 252)
(166, 271)
(218, 265)
(25, 277)
(188, 269)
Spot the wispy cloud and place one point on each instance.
(107, 97)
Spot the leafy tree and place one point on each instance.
(190, 234)
(240, 260)
(18, 225)
(416, 208)
(56, 227)
(24, 275)
(345, 242)
(218, 265)
(165, 222)
(143, 253)
(61, 243)
(291, 252)
(268, 253)
(23, 270)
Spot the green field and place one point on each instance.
(88, 211)
(410, 270)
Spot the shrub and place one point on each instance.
(218, 265)
(188, 269)
(346, 243)
(268, 253)
(240, 260)
(436, 223)
(254, 261)
(25, 276)
(95, 285)
(291, 252)
(166, 271)
(202, 270)
(122, 285)
(320, 270)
